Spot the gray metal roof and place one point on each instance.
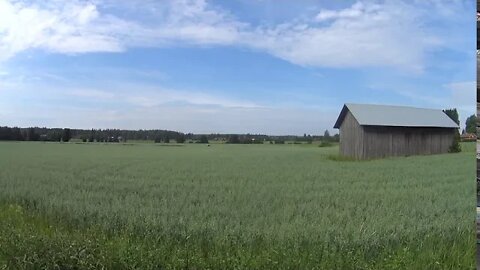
(397, 116)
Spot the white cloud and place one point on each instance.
(392, 34)
(363, 35)
(59, 27)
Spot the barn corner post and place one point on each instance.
(369, 131)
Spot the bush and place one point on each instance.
(180, 138)
(455, 147)
(279, 142)
(233, 139)
(203, 139)
(325, 144)
(66, 135)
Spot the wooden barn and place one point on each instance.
(376, 131)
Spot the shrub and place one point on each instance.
(233, 139)
(180, 138)
(203, 139)
(325, 144)
(455, 147)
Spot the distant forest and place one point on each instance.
(156, 135)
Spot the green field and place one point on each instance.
(148, 206)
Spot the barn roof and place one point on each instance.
(396, 116)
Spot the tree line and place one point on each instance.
(259, 139)
(86, 135)
(156, 135)
(35, 134)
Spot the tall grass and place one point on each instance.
(234, 206)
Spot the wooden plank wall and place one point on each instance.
(351, 137)
(405, 141)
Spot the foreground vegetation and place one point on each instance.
(147, 206)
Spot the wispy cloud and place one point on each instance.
(391, 34)
(356, 11)
(91, 93)
(151, 107)
(185, 118)
(148, 96)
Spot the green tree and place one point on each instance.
(166, 139)
(32, 135)
(66, 135)
(233, 139)
(180, 138)
(326, 135)
(471, 124)
(17, 134)
(55, 136)
(309, 139)
(203, 139)
(91, 137)
(453, 114)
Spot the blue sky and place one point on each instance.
(259, 66)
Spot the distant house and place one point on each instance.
(468, 137)
(376, 131)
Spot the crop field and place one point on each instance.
(152, 206)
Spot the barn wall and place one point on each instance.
(405, 141)
(351, 137)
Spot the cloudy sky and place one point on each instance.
(257, 66)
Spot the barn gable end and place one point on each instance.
(351, 137)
